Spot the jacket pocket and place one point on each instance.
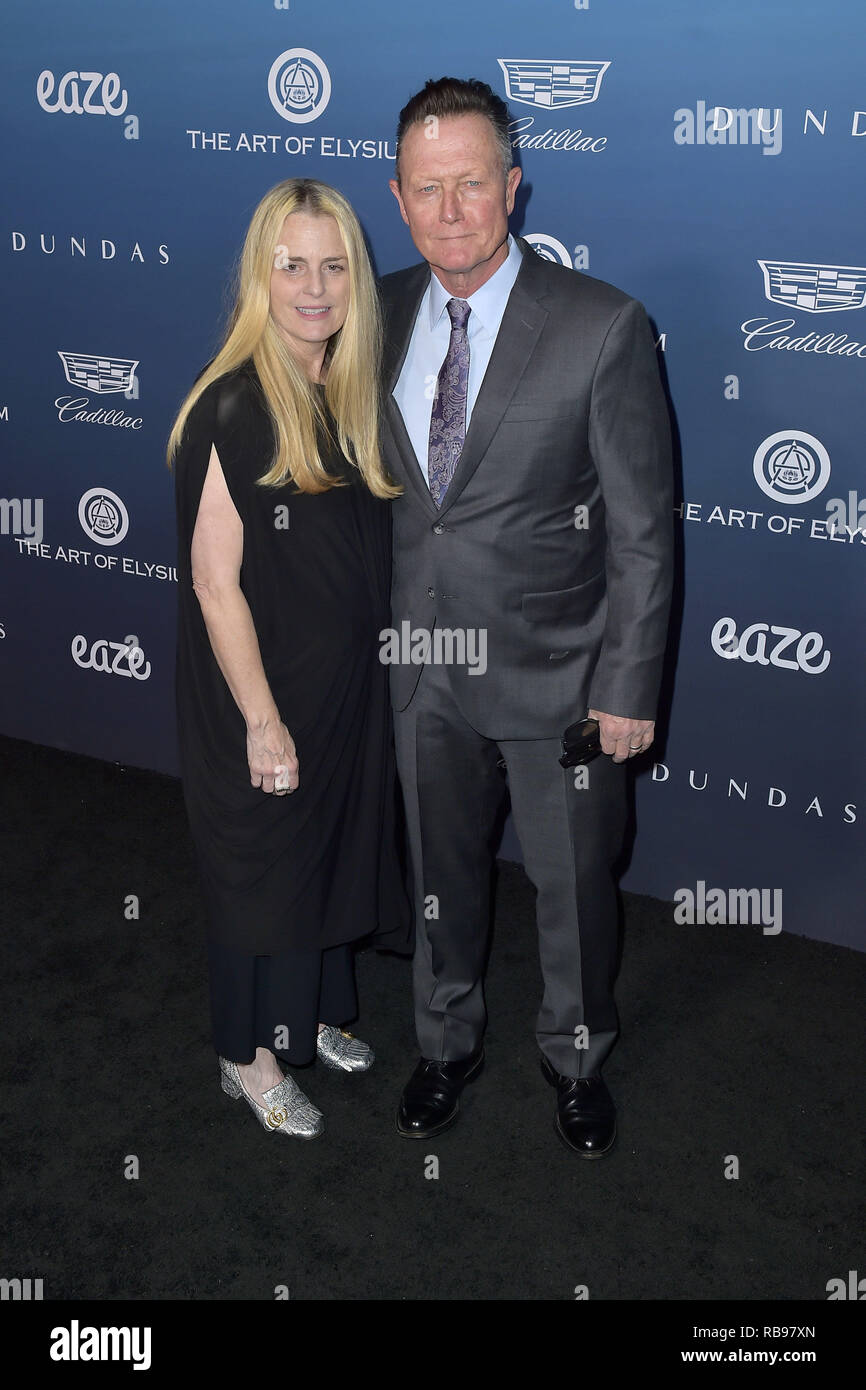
(570, 605)
(538, 412)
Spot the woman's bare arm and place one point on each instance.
(216, 555)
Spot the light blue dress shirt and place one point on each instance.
(416, 385)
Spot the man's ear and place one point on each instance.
(395, 189)
(515, 174)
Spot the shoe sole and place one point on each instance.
(452, 1118)
(347, 1071)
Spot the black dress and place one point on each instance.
(322, 866)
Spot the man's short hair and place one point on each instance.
(453, 96)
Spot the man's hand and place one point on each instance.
(624, 738)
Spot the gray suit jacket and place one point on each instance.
(570, 415)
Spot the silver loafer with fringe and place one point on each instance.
(342, 1051)
(287, 1109)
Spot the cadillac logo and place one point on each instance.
(552, 84)
(818, 289)
(99, 374)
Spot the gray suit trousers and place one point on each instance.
(570, 837)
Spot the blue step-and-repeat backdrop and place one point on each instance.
(708, 159)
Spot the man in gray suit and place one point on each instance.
(525, 419)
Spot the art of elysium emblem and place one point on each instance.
(791, 466)
(103, 516)
(549, 249)
(551, 84)
(299, 85)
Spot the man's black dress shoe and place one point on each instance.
(431, 1099)
(585, 1117)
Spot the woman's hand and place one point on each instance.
(272, 758)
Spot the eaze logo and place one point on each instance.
(69, 101)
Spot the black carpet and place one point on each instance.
(733, 1043)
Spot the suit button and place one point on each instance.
(431, 593)
(438, 529)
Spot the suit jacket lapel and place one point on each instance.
(521, 325)
(403, 446)
(401, 321)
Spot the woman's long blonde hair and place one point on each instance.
(353, 353)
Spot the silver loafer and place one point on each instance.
(288, 1109)
(342, 1051)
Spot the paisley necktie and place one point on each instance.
(448, 417)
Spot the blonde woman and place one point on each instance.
(283, 715)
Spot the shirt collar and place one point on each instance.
(488, 302)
